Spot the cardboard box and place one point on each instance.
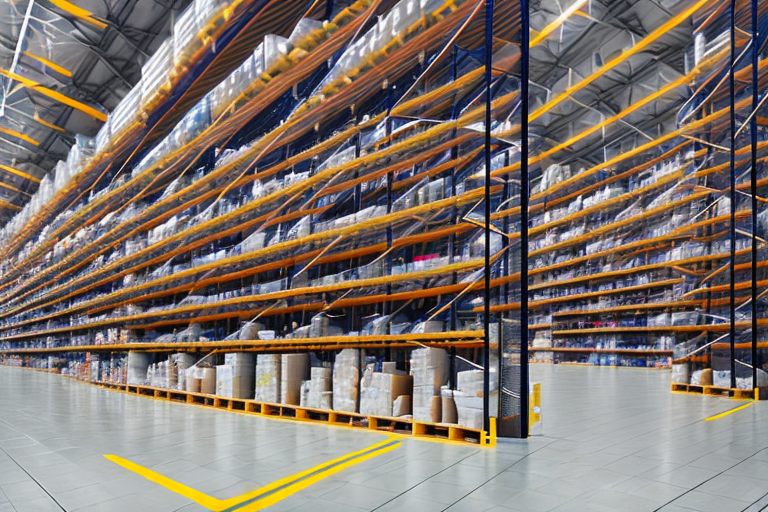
(235, 381)
(450, 414)
(346, 380)
(239, 359)
(401, 406)
(294, 370)
(208, 381)
(193, 384)
(316, 392)
(268, 378)
(378, 392)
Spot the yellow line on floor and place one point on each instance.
(726, 413)
(266, 496)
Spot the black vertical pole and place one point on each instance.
(753, 185)
(524, 190)
(452, 239)
(732, 90)
(487, 294)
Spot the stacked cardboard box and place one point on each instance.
(469, 397)
(429, 368)
(137, 368)
(346, 380)
(294, 370)
(268, 378)
(386, 393)
(316, 393)
(235, 378)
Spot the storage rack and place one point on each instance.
(366, 163)
(633, 278)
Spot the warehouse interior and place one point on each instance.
(358, 255)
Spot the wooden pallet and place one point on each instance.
(395, 426)
(737, 394)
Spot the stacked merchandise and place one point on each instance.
(429, 369)
(138, 363)
(715, 357)
(162, 72)
(385, 393)
(294, 370)
(235, 378)
(468, 397)
(327, 203)
(624, 224)
(268, 378)
(346, 380)
(316, 393)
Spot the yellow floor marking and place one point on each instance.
(268, 495)
(726, 413)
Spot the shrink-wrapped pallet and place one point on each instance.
(316, 392)
(294, 370)
(268, 378)
(235, 381)
(137, 368)
(429, 368)
(378, 392)
(346, 380)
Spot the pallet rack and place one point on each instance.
(378, 160)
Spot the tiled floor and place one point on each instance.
(614, 440)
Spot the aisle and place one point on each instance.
(614, 440)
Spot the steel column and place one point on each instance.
(524, 191)
(487, 287)
(732, 91)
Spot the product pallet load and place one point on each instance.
(174, 78)
(397, 426)
(628, 253)
(337, 225)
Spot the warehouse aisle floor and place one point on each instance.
(613, 440)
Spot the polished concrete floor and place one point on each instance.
(613, 440)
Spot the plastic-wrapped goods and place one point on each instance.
(127, 111)
(227, 91)
(746, 382)
(61, 175)
(183, 362)
(429, 368)
(207, 380)
(189, 335)
(378, 392)
(469, 409)
(137, 368)
(253, 243)
(319, 326)
(680, 373)
(235, 381)
(191, 125)
(429, 326)
(316, 393)
(94, 368)
(156, 73)
(346, 380)
(469, 397)
(721, 378)
(294, 369)
(193, 379)
(250, 331)
(239, 359)
(268, 378)
(104, 137)
(376, 326)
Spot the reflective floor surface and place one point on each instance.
(613, 440)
